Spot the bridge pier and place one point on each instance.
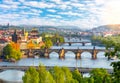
(94, 54)
(78, 55)
(30, 54)
(69, 43)
(62, 54)
(46, 53)
(83, 44)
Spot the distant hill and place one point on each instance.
(111, 27)
(47, 26)
(114, 27)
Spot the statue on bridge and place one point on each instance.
(94, 53)
(46, 53)
(62, 54)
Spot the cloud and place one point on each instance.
(54, 16)
(51, 10)
(111, 12)
(82, 13)
(4, 6)
(35, 21)
(77, 5)
(22, 1)
(36, 11)
(29, 13)
(39, 4)
(9, 17)
(70, 13)
(11, 2)
(57, 1)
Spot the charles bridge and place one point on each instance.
(61, 52)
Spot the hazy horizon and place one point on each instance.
(82, 13)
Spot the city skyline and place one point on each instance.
(82, 13)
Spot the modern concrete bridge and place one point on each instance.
(24, 68)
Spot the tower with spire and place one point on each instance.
(14, 36)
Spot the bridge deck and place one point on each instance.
(24, 68)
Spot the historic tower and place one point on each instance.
(14, 37)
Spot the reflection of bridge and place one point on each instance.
(70, 43)
(24, 68)
(61, 52)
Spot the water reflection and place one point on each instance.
(69, 61)
(69, 55)
(11, 76)
(86, 55)
(101, 55)
(53, 55)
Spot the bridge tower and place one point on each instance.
(94, 53)
(62, 54)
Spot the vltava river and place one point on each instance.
(69, 61)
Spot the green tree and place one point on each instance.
(11, 53)
(112, 45)
(77, 75)
(7, 50)
(57, 74)
(61, 39)
(43, 35)
(48, 43)
(31, 76)
(100, 75)
(68, 76)
(44, 75)
(116, 73)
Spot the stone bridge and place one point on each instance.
(61, 52)
(70, 43)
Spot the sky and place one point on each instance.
(85, 14)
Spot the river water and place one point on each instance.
(15, 76)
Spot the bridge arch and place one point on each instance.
(86, 54)
(69, 54)
(37, 53)
(53, 54)
(74, 44)
(101, 54)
